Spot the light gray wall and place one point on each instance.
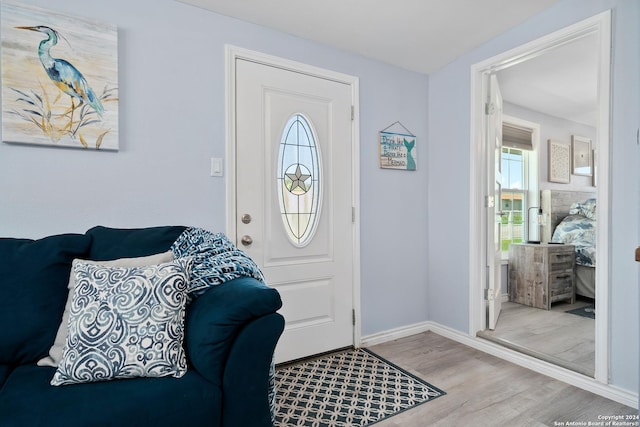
(448, 232)
(171, 65)
(560, 130)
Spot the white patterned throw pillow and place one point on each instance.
(55, 352)
(125, 323)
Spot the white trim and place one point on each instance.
(477, 212)
(603, 190)
(232, 54)
(357, 328)
(561, 374)
(397, 333)
(600, 24)
(230, 150)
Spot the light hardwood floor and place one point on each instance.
(483, 390)
(558, 337)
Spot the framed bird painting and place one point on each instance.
(59, 79)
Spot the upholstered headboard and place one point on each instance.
(555, 206)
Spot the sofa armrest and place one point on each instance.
(246, 378)
(217, 317)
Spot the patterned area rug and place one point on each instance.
(353, 388)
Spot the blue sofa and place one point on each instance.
(230, 332)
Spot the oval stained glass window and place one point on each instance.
(299, 185)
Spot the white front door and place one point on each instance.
(494, 202)
(294, 199)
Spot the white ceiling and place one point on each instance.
(561, 83)
(419, 35)
(426, 35)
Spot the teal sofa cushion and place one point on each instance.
(4, 373)
(33, 291)
(28, 400)
(113, 243)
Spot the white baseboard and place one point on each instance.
(394, 334)
(561, 374)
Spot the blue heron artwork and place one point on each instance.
(59, 79)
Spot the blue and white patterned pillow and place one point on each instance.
(125, 323)
(586, 208)
(55, 352)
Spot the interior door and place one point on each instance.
(494, 202)
(294, 199)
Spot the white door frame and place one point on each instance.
(232, 54)
(601, 24)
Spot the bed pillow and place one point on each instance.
(125, 323)
(586, 208)
(55, 352)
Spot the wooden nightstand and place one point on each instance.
(541, 274)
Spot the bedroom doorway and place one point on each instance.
(597, 30)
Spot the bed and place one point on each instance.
(572, 219)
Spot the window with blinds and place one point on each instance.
(517, 146)
(514, 136)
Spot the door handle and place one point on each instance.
(246, 240)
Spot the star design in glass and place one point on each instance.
(298, 181)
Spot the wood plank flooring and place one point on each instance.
(483, 390)
(561, 338)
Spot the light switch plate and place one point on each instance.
(216, 166)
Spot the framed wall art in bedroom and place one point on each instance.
(581, 159)
(559, 162)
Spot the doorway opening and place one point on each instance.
(480, 281)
